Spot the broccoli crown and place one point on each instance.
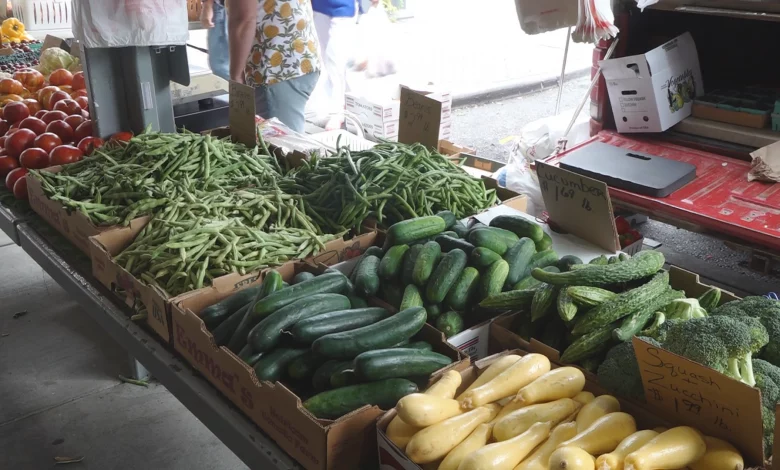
(684, 309)
(619, 372)
(767, 311)
(768, 381)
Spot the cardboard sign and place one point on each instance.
(53, 41)
(690, 393)
(420, 119)
(242, 114)
(579, 205)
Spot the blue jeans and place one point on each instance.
(286, 100)
(217, 37)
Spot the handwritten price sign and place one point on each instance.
(420, 119)
(242, 114)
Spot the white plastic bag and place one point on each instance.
(375, 51)
(539, 16)
(595, 21)
(642, 4)
(121, 23)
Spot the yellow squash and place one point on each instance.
(571, 458)
(508, 382)
(614, 460)
(435, 442)
(500, 365)
(518, 422)
(604, 434)
(720, 455)
(675, 448)
(541, 455)
(421, 410)
(400, 433)
(506, 455)
(476, 440)
(563, 382)
(594, 410)
(584, 397)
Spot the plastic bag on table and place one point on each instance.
(642, 4)
(539, 16)
(375, 52)
(594, 22)
(121, 23)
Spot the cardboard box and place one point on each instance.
(426, 116)
(134, 292)
(73, 225)
(345, 443)
(651, 92)
(378, 118)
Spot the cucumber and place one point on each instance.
(225, 330)
(412, 297)
(321, 378)
(249, 356)
(612, 260)
(494, 278)
(530, 282)
(589, 296)
(541, 259)
(567, 309)
(483, 257)
(432, 312)
(449, 219)
(449, 243)
(272, 283)
(357, 302)
(367, 277)
(710, 299)
(460, 229)
(423, 266)
(623, 257)
(392, 294)
(589, 345)
(343, 376)
(543, 301)
(545, 243)
(309, 329)
(410, 259)
(465, 286)
(271, 366)
(566, 262)
(266, 334)
(599, 261)
(509, 238)
(644, 264)
(447, 233)
(445, 275)
(423, 345)
(395, 363)
(385, 394)
(304, 366)
(348, 344)
(406, 231)
(450, 323)
(519, 225)
(486, 238)
(374, 251)
(390, 266)
(302, 276)
(325, 284)
(518, 257)
(215, 314)
(636, 321)
(513, 299)
(475, 224)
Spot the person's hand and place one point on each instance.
(207, 15)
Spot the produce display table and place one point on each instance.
(71, 271)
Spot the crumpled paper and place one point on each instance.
(766, 164)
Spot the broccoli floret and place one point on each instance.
(619, 372)
(767, 311)
(684, 309)
(768, 381)
(725, 344)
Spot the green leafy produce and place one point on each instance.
(767, 311)
(684, 309)
(619, 372)
(642, 265)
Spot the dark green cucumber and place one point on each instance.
(215, 314)
(530, 282)
(271, 366)
(357, 302)
(464, 287)
(448, 244)
(494, 278)
(624, 257)
(272, 283)
(612, 260)
(636, 321)
(566, 262)
(460, 229)
(423, 345)
(518, 257)
(382, 334)
(486, 238)
(343, 376)
(266, 334)
(450, 323)
(385, 394)
(225, 330)
(540, 260)
(390, 266)
(645, 264)
(509, 237)
(513, 299)
(432, 312)
(304, 366)
(710, 299)
(622, 305)
(445, 275)
(367, 277)
(475, 225)
(449, 219)
(407, 231)
(410, 259)
(302, 276)
(374, 251)
(401, 362)
(423, 266)
(519, 225)
(545, 243)
(589, 345)
(589, 296)
(447, 233)
(543, 301)
(391, 293)
(483, 257)
(330, 283)
(249, 356)
(321, 378)
(567, 309)
(309, 329)
(412, 297)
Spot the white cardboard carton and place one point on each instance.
(379, 119)
(652, 92)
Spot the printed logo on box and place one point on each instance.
(680, 89)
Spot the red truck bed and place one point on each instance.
(720, 199)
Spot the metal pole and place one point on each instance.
(563, 72)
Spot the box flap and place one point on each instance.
(242, 114)
(678, 53)
(631, 67)
(420, 119)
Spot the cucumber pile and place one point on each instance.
(440, 264)
(319, 337)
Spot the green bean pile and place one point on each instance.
(391, 182)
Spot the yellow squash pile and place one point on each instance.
(522, 415)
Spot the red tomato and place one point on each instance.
(622, 225)
(83, 130)
(52, 116)
(44, 94)
(74, 122)
(58, 95)
(9, 86)
(31, 79)
(61, 77)
(40, 114)
(78, 94)
(122, 136)
(88, 144)
(83, 101)
(68, 106)
(15, 111)
(3, 127)
(20, 188)
(14, 175)
(34, 158)
(34, 124)
(7, 164)
(19, 141)
(32, 105)
(78, 81)
(65, 154)
(62, 129)
(47, 141)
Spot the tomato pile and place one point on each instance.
(626, 234)
(42, 124)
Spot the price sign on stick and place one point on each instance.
(242, 114)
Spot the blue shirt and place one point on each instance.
(334, 8)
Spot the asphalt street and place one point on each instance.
(491, 127)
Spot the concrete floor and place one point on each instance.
(61, 396)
